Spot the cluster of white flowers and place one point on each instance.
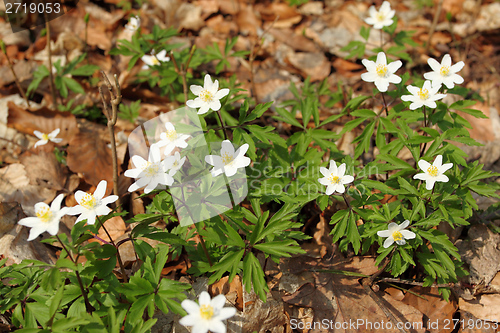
(382, 74)
(158, 170)
(89, 207)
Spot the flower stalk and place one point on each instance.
(88, 307)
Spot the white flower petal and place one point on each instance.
(407, 234)
(100, 190)
(388, 242)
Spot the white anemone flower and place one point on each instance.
(47, 218)
(335, 178)
(133, 24)
(229, 161)
(427, 95)
(155, 59)
(382, 17)
(208, 96)
(208, 315)
(380, 72)
(45, 138)
(396, 233)
(177, 163)
(152, 172)
(444, 72)
(92, 205)
(433, 173)
(172, 139)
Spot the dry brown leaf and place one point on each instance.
(322, 237)
(480, 251)
(342, 298)
(313, 65)
(10, 214)
(15, 186)
(298, 42)
(43, 120)
(89, 155)
(116, 228)
(247, 21)
(262, 316)
(43, 169)
(434, 307)
(232, 290)
(189, 16)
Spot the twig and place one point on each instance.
(182, 70)
(112, 116)
(415, 283)
(433, 26)
(51, 76)
(367, 283)
(88, 306)
(16, 79)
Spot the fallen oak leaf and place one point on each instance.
(89, 155)
(43, 120)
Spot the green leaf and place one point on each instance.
(287, 117)
(73, 85)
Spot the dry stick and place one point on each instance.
(88, 306)
(51, 77)
(367, 283)
(118, 256)
(182, 70)
(433, 26)
(112, 116)
(414, 283)
(16, 79)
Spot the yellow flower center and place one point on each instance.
(151, 169)
(423, 94)
(433, 171)
(444, 71)
(206, 96)
(227, 158)
(397, 236)
(206, 312)
(45, 136)
(334, 179)
(380, 17)
(155, 61)
(381, 70)
(171, 135)
(88, 201)
(44, 214)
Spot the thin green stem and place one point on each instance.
(118, 256)
(88, 306)
(202, 242)
(222, 124)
